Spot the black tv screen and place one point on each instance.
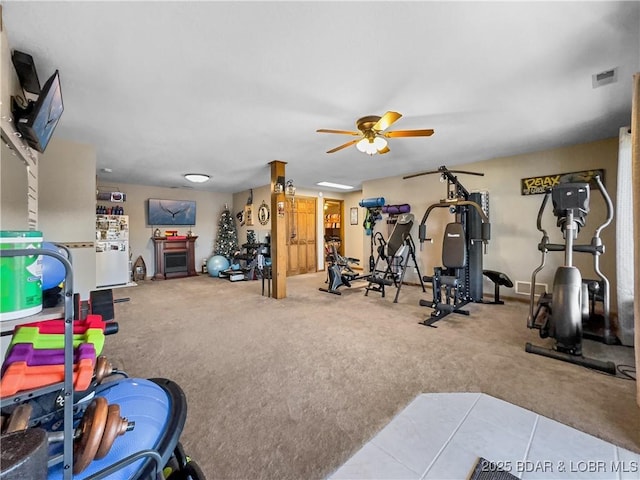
(37, 122)
(171, 212)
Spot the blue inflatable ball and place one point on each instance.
(53, 271)
(217, 264)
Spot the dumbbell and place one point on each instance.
(101, 424)
(20, 376)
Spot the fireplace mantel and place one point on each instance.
(164, 245)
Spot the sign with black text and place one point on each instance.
(544, 183)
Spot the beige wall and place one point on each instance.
(67, 190)
(9, 84)
(260, 194)
(13, 191)
(353, 246)
(209, 207)
(514, 237)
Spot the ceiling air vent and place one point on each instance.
(604, 78)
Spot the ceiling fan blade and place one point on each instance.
(345, 145)
(386, 120)
(408, 133)
(344, 132)
(384, 150)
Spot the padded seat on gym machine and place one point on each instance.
(454, 253)
(454, 256)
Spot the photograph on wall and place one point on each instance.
(171, 212)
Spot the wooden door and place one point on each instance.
(301, 235)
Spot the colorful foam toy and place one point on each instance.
(19, 376)
(39, 340)
(25, 352)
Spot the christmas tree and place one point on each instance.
(227, 240)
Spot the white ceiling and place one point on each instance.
(166, 88)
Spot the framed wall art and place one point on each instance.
(353, 216)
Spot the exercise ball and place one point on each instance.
(217, 264)
(53, 271)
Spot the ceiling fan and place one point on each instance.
(372, 133)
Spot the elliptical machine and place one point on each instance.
(561, 314)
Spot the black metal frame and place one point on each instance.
(475, 223)
(381, 278)
(545, 302)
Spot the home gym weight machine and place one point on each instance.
(461, 274)
(561, 314)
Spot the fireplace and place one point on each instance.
(175, 262)
(174, 257)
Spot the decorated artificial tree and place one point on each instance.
(227, 239)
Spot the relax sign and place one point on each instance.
(544, 183)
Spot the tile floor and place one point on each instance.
(441, 436)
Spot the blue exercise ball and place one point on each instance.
(217, 264)
(53, 271)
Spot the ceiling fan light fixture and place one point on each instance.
(372, 133)
(379, 143)
(362, 145)
(197, 177)
(368, 146)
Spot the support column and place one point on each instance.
(278, 232)
(635, 182)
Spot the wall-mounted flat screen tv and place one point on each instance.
(38, 120)
(171, 212)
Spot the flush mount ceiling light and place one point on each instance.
(197, 177)
(334, 185)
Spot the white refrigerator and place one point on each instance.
(112, 250)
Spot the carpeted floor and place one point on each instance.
(291, 388)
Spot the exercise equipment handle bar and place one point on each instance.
(597, 243)
(544, 246)
(540, 212)
(422, 230)
(609, 203)
(593, 249)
